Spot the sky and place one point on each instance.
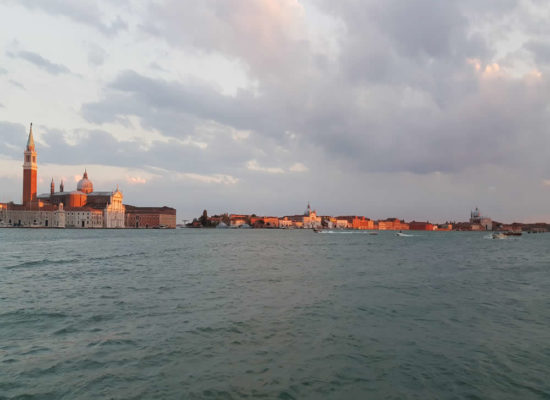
(418, 109)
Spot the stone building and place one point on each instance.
(308, 220)
(150, 217)
(81, 208)
(479, 222)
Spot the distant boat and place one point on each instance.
(401, 234)
(499, 236)
(512, 233)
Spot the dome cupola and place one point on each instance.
(85, 185)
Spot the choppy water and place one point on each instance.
(210, 314)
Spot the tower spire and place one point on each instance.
(52, 187)
(30, 140)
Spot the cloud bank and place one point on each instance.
(443, 99)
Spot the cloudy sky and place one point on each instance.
(418, 109)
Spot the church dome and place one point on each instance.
(85, 185)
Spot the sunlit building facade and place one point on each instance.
(83, 207)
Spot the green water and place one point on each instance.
(230, 314)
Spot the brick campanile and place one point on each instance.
(29, 171)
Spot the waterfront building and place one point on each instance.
(422, 226)
(445, 227)
(150, 217)
(479, 222)
(328, 222)
(308, 220)
(264, 222)
(80, 208)
(83, 217)
(32, 215)
(392, 224)
(285, 222)
(342, 223)
(237, 220)
(358, 222)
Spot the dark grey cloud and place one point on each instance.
(85, 12)
(171, 106)
(41, 62)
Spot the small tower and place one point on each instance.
(29, 171)
(61, 186)
(52, 187)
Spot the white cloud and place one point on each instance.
(209, 179)
(253, 165)
(136, 180)
(298, 167)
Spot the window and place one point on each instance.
(28, 158)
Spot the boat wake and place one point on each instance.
(404, 235)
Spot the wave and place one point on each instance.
(350, 232)
(38, 263)
(46, 261)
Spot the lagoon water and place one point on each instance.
(230, 314)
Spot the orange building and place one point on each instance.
(392, 224)
(422, 226)
(264, 222)
(356, 222)
(238, 219)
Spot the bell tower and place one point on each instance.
(29, 171)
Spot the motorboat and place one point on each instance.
(499, 235)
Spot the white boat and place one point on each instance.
(499, 236)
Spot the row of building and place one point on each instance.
(310, 220)
(80, 208)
